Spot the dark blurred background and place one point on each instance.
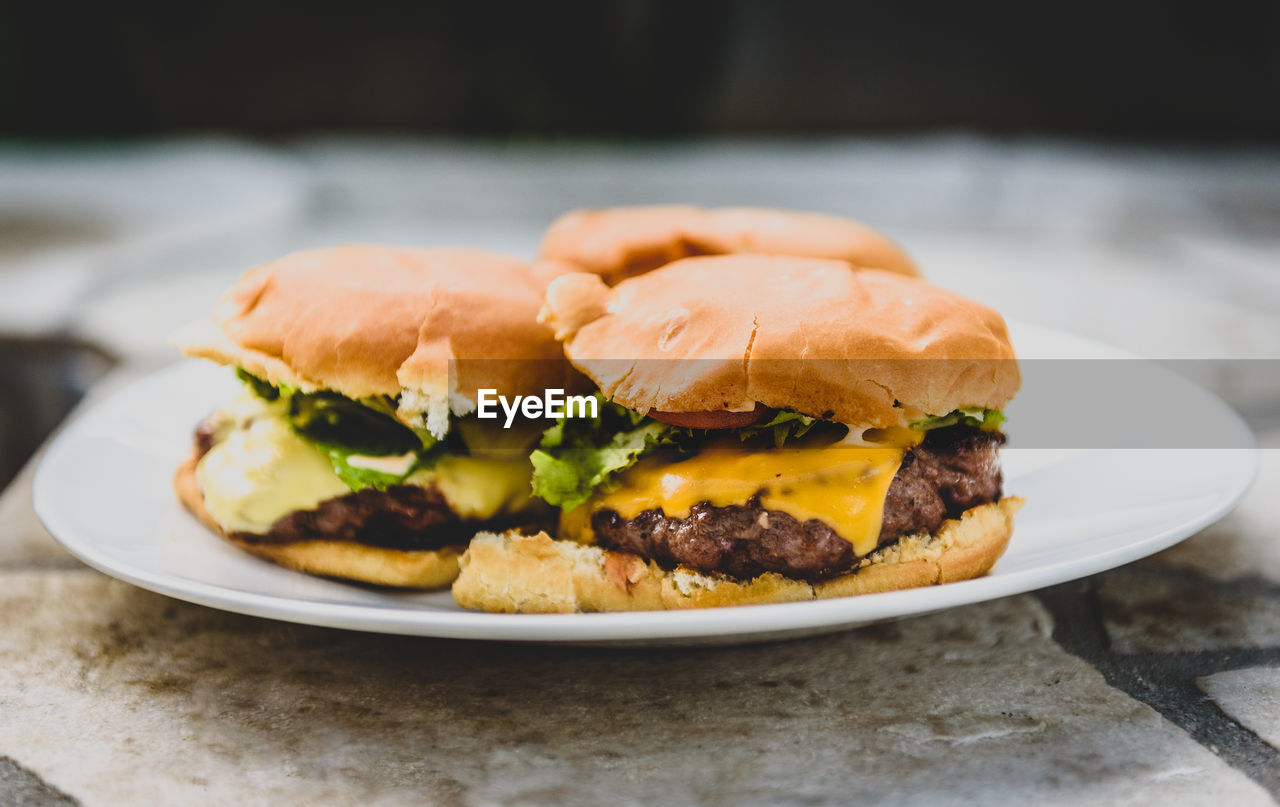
(1144, 69)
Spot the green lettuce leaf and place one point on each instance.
(577, 455)
(974, 416)
(567, 478)
(781, 428)
(358, 478)
(331, 419)
(262, 388)
(340, 427)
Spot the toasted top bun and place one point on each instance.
(861, 347)
(429, 325)
(621, 242)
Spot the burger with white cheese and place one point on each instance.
(353, 450)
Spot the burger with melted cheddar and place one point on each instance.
(770, 429)
(353, 450)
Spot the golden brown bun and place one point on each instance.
(621, 242)
(424, 569)
(368, 320)
(512, 573)
(726, 332)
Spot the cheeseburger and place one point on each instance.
(353, 450)
(621, 242)
(771, 429)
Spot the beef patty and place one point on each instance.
(405, 517)
(954, 469)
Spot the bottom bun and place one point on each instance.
(402, 568)
(512, 573)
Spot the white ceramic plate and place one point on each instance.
(104, 492)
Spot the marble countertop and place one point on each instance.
(1158, 682)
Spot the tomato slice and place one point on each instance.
(713, 420)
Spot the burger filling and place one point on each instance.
(803, 497)
(279, 466)
(953, 470)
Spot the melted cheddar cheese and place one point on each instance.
(844, 486)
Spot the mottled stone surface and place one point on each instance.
(1251, 696)
(116, 696)
(20, 787)
(1148, 610)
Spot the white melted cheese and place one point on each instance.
(479, 488)
(395, 464)
(259, 470)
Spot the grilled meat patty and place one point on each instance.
(401, 517)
